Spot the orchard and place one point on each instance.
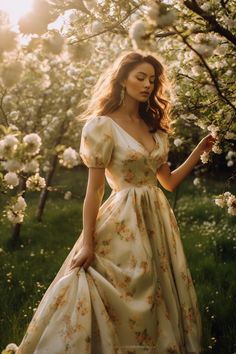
(52, 55)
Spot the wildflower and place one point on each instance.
(32, 143)
(67, 195)
(11, 179)
(35, 183)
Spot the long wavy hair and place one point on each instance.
(106, 94)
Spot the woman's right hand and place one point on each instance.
(83, 257)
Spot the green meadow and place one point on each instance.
(208, 234)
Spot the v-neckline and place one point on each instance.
(138, 142)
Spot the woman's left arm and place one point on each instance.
(171, 179)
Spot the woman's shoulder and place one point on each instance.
(100, 119)
(97, 126)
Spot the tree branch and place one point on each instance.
(193, 6)
(214, 80)
(107, 29)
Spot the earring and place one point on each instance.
(148, 105)
(122, 95)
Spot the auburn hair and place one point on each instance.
(105, 95)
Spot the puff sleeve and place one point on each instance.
(97, 142)
(165, 147)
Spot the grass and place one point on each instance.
(206, 230)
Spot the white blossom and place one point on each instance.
(232, 210)
(15, 218)
(31, 166)
(53, 42)
(96, 27)
(214, 130)
(8, 145)
(231, 200)
(32, 142)
(69, 158)
(200, 124)
(68, 87)
(11, 179)
(91, 5)
(206, 6)
(136, 32)
(152, 13)
(8, 39)
(204, 157)
(11, 74)
(230, 135)
(220, 201)
(216, 148)
(230, 163)
(230, 154)
(197, 70)
(20, 204)
(178, 142)
(196, 181)
(12, 165)
(35, 183)
(80, 51)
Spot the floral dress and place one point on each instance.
(137, 296)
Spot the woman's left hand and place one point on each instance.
(206, 143)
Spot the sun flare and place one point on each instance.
(16, 8)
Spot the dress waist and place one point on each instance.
(146, 186)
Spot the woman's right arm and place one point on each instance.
(92, 202)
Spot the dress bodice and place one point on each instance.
(127, 163)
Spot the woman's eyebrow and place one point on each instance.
(140, 72)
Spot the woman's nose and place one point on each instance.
(147, 84)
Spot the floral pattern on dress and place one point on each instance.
(137, 296)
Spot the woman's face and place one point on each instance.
(140, 82)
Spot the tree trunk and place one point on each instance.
(15, 236)
(44, 193)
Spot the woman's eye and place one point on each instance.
(151, 82)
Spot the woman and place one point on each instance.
(125, 287)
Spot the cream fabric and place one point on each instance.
(137, 296)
